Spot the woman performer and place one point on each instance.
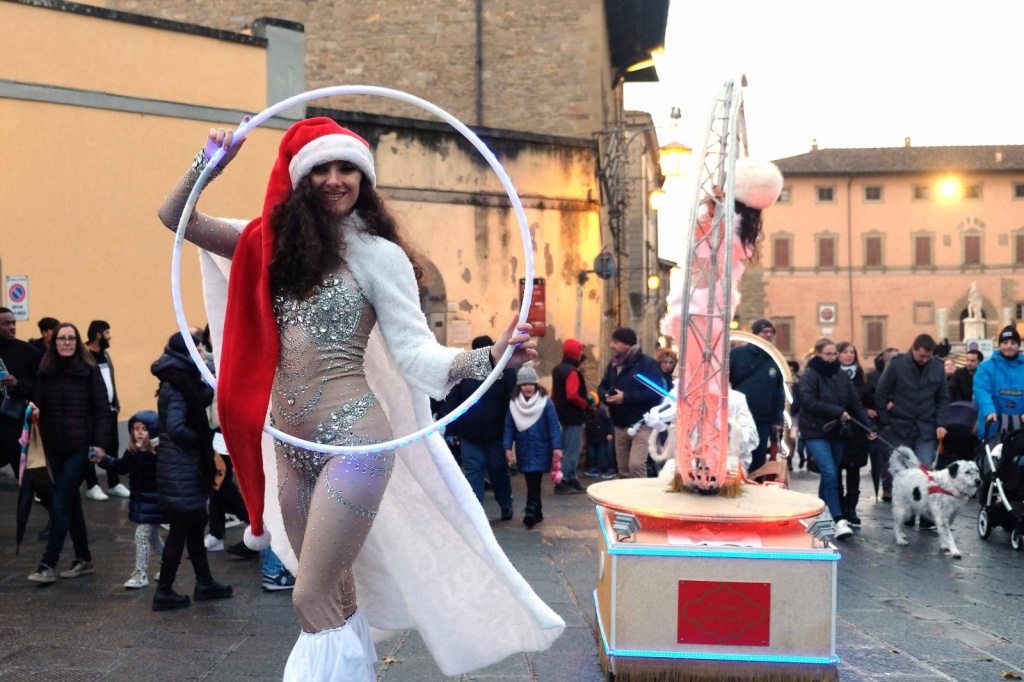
(309, 280)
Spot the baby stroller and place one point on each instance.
(1002, 491)
(961, 441)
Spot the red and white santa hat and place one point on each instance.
(251, 345)
(758, 183)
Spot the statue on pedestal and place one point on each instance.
(974, 303)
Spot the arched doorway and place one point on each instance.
(434, 301)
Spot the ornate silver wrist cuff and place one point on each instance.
(471, 364)
(199, 164)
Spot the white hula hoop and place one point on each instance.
(242, 131)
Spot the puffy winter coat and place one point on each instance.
(181, 453)
(74, 412)
(919, 397)
(998, 388)
(637, 397)
(140, 465)
(753, 373)
(485, 420)
(569, 392)
(535, 445)
(825, 393)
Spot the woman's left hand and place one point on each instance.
(515, 335)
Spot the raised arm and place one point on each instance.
(215, 235)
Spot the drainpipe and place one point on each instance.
(479, 62)
(849, 253)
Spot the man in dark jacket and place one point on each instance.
(98, 343)
(961, 384)
(628, 399)
(19, 362)
(753, 373)
(47, 326)
(569, 394)
(912, 400)
(480, 431)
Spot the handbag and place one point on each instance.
(11, 408)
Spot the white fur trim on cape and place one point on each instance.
(332, 148)
(431, 560)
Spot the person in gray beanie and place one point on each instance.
(532, 424)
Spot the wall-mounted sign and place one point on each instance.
(537, 315)
(17, 296)
(827, 313)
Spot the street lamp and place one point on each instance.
(653, 282)
(673, 158)
(658, 199)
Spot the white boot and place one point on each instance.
(345, 653)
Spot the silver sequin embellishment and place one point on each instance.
(471, 364)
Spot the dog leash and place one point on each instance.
(867, 429)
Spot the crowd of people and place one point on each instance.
(174, 473)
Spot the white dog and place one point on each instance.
(939, 495)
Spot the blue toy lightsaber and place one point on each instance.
(655, 387)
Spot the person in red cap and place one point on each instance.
(569, 394)
(322, 324)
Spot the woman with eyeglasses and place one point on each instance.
(71, 402)
(828, 400)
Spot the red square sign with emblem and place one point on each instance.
(723, 613)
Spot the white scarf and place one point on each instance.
(526, 412)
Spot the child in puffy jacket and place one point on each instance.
(532, 423)
(139, 462)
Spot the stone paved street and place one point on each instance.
(903, 613)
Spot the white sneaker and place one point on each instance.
(165, 526)
(843, 529)
(96, 493)
(137, 580)
(232, 521)
(119, 490)
(213, 544)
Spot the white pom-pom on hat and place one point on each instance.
(758, 183)
(256, 542)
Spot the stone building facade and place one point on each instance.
(880, 245)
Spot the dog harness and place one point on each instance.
(933, 487)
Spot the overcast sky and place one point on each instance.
(861, 73)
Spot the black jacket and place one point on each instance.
(919, 397)
(638, 398)
(140, 465)
(599, 425)
(74, 412)
(825, 393)
(485, 420)
(961, 385)
(184, 457)
(22, 362)
(568, 414)
(753, 373)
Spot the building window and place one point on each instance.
(826, 195)
(873, 193)
(1018, 311)
(874, 335)
(783, 334)
(873, 251)
(826, 250)
(924, 313)
(1018, 190)
(972, 249)
(972, 191)
(1018, 248)
(781, 252)
(922, 193)
(784, 195)
(922, 250)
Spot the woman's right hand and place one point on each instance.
(508, 457)
(223, 137)
(35, 410)
(845, 417)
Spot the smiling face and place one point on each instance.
(528, 390)
(848, 356)
(336, 184)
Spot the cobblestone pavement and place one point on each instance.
(905, 613)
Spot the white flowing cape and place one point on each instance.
(431, 561)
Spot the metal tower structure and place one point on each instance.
(703, 425)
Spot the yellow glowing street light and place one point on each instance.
(673, 158)
(658, 199)
(653, 282)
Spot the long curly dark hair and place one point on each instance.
(308, 243)
(750, 230)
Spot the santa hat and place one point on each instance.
(251, 345)
(758, 183)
